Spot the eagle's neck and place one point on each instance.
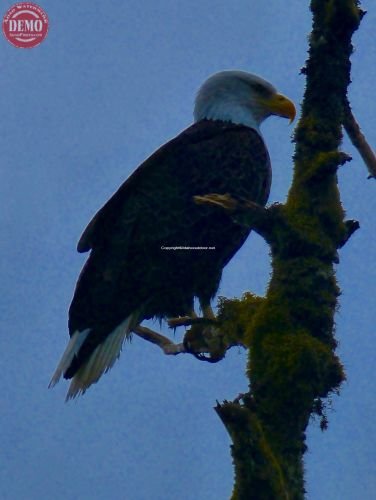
(228, 112)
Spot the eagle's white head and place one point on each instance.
(242, 98)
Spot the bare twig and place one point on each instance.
(359, 141)
(167, 346)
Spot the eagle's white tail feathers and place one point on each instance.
(102, 360)
(74, 345)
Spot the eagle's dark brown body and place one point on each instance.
(131, 269)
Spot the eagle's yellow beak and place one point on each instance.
(280, 105)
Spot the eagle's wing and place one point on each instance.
(189, 138)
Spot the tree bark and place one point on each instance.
(292, 363)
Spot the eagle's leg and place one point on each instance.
(167, 346)
(207, 310)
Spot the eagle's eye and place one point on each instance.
(261, 89)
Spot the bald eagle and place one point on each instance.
(152, 249)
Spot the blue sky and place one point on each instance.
(109, 85)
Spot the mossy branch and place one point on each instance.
(292, 365)
(208, 339)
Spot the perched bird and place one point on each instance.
(152, 249)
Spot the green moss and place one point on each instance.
(253, 457)
(292, 364)
(338, 13)
(208, 338)
(294, 358)
(235, 316)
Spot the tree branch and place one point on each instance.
(204, 340)
(243, 212)
(292, 364)
(359, 141)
